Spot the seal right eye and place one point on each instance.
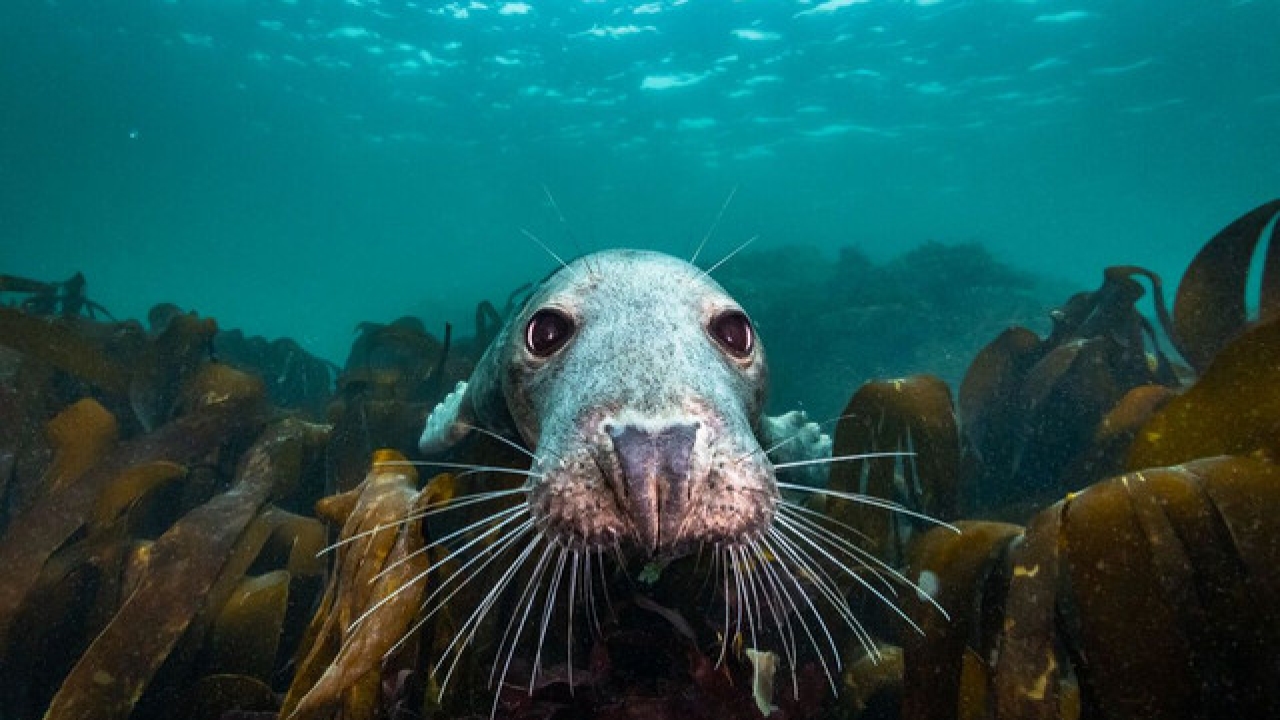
(547, 332)
(733, 331)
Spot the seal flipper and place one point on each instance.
(792, 438)
(448, 423)
(478, 402)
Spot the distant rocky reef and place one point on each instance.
(828, 324)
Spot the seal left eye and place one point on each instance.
(733, 331)
(547, 332)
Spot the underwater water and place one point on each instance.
(293, 168)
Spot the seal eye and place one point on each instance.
(733, 331)
(548, 331)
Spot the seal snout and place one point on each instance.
(655, 477)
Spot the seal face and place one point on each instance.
(638, 383)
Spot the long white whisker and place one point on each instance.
(568, 231)
(546, 247)
(781, 618)
(799, 533)
(507, 441)
(818, 616)
(721, 554)
(714, 224)
(839, 458)
(549, 606)
(863, 555)
(482, 609)
(825, 585)
(461, 466)
(418, 578)
(491, 552)
(872, 501)
(429, 510)
(726, 258)
(526, 601)
(437, 543)
(573, 600)
(534, 580)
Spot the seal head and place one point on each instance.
(639, 384)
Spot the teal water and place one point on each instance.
(293, 168)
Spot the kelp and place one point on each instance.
(63, 344)
(946, 671)
(392, 376)
(911, 424)
(372, 596)
(1137, 597)
(66, 298)
(185, 561)
(1211, 307)
(294, 377)
(1031, 408)
(175, 352)
(56, 515)
(1233, 408)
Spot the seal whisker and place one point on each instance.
(825, 585)
(568, 231)
(507, 441)
(878, 570)
(573, 600)
(714, 224)
(493, 550)
(535, 579)
(527, 599)
(773, 566)
(593, 614)
(422, 576)
(496, 551)
(872, 501)
(461, 466)
(786, 505)
(548, 607)
(551, 252)
(868, 559)
(429, 510)
(726, 258)
(604, 582)
(437, 543)
(474, 620)
(795, 581)
(726, 638)
(742, 571)
(839, 458)
(789, 635)
(783, 522)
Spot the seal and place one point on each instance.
(638, 386)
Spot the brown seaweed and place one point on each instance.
(36, 533)
(186, 560)
(1032, 409)
(66, 298)
(946, 674)
(63, 344)
(1233, 408)
(911, 421)
(1211, 308)
(1137, 597)
(377, 555)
